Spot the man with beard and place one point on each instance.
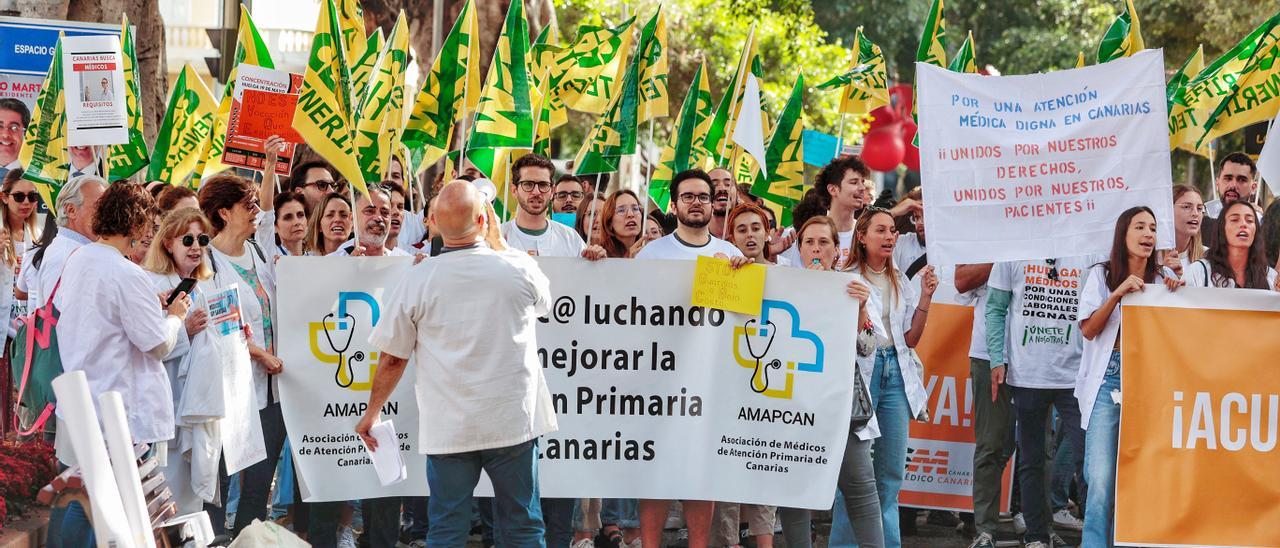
(1237, 180)
(531, 231)
(724, 197)
(373, 209)
(569, 193)
(14, 118)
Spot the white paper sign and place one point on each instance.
(93, 73)
(1041, 166)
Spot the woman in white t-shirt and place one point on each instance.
(1188, 214)
(897, 385)
(1236, 257)
(330, 225)
(1131, 266)
(231, 204)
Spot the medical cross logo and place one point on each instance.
(800, 350)
(331, 338)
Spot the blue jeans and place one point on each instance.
(889, 451)
(517, 518)
(620, 513)
(841, 529)
(1063, 470)
(1031, 407)
(69, 528)
(558, 517)
(1101, 443)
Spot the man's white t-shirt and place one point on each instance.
(109, 305)
(846, 247)
(556, 241)
(673, 248)
(1043, 333)
(467, 318)
(39, 282)
(906, 251)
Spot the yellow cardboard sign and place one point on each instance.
(716, 284)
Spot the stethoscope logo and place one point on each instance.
(337, 330)
(343, 361)
(760, 376)
(802, 350)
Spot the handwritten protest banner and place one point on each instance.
(1040, 166)
(256, 117)
(716, 284)
(263, 114)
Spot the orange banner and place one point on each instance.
(1200, 399)
(940, 452)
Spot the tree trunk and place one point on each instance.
(149, 41)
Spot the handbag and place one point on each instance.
(863, 410)
(35, 361)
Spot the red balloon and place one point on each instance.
(882, 117)
(882, 149)
(911, 157)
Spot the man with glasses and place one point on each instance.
(569, 193)
(314, 180)
(532, 231)
(14, 118)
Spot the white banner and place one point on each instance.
(93, 73)
(654, 398)
(1040, 166)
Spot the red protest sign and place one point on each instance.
(264, 113)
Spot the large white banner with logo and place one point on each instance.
(654, 398)
(1040, 166)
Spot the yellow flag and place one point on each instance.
(593, 66)
(351, 22)
(44, 146)
(381, 110)
(653, 69)
(450, 90)
(864, 87)
(1178, 134)
(1123, 38)
(323, 115)
(364, 65)
(187, 125)
(1236, 90)
(250, 49)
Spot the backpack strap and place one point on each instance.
(917, 265)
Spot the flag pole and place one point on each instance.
(644, 223)
(591, 219)
(840, 137)
(733, 99)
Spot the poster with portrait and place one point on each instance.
(93, 80)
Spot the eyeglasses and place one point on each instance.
(528, 186)
(1053, 270)
(202, 239)
(14, 128)
(1192, 207)
(328, 186)
(623, 210)
(563, 194)
(689, 198)
(20, 197)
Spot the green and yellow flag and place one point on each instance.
(543, 100)
(614, 134)
(44, 147)
(380, 118)
(187, 123)
(687, 147)
(250, 49)
(1177, 106)
(323, 115)
(364, 65)
(652, 54)
(450, 90)
(719, 138)
(544, 70)
(1123, 38)
(351, 22)
(590, 71)
(783, 185)
(504, 117)
(965, 60)
(865, 85)
(933, 41)
(126, 159)
(1236, 90)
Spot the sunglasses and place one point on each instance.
(202, 239)
(20, 197)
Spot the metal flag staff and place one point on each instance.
(341, 352)
(761, 371)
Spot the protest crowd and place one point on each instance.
(146, 275)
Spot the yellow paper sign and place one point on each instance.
(718, 285)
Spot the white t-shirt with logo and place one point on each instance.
(557, 241)
(846, 247)
(1043, 333)
(672, 248)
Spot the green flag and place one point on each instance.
(965, 60)
(933, 41)
(1123, 37)
(363, 66)
(589, 71)
(380, 114)
(450, 89)
(126, 159)
(719, 139)
(1236, 90)
(1177, 105)
(44, 147)
(187, 124)
(251, 50)
(652, 54)
(504, 117)
(783, 185)
(614, 134)
(324, 112)
(687, 148)
(865, 85)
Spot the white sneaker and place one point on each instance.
(1036, 544)
(1064, 520)
(584, 543)
(347, 538)
(1019, 523)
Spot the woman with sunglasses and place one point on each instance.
(19, 231)
(231, 204)
(330, 225)
(897, 385)
(1236, 256)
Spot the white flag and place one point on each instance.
(1269, 160)
(748, 133)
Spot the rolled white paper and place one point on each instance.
(120, 446)
(110, 526)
